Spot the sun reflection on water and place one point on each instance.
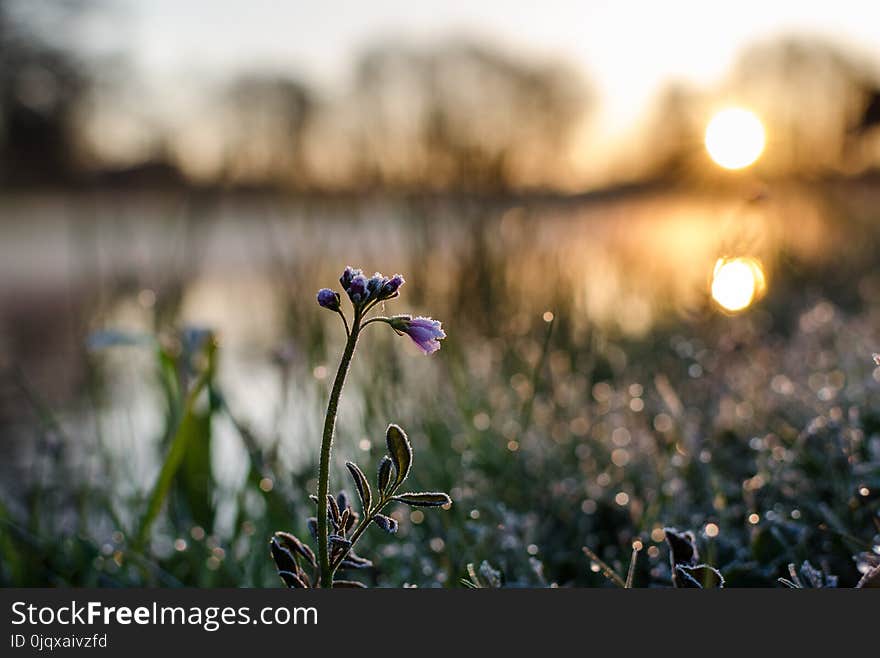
(737, 283)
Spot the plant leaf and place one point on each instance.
(362, 486)
(339, 546)
(333, 510)
(870, 579)
(682, 547)
(401, 452)
(293, 544)
(348, 584)
(292, 580)
(338, 541)
(701, 576)
(353, 561)
(184, 436)
(352, 519)
(383, 477)
(424, 499)
(387, 524)
(360, 563)
(283, 558)
(684, 580)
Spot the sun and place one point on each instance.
(735, 138)
(737, 282)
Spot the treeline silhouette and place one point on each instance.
(459, 116)
(41, 88)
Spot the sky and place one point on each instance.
(690, 40)
(628, 51)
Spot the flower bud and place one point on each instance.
(375, 285)
(328, 299)
(347, 276)
(387, 524)
(400, 323)
(391, 286)
(357, 289)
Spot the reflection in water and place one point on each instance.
(737, 282)
(620, 266)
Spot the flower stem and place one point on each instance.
(365, 522)
(378, 318)
(327, 447)
(344, 322)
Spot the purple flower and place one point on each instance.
(328, 299)
(426, 333)
(347, 277)
(391, 286)
(376, 288)
(375, 285)
(357, 289)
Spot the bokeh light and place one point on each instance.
(735, 138)
(737, 283)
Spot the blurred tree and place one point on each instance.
(862, 147)
(463, 117)
(814, 98)
(265, 124)
(809, 92)
(40, 88)
(674, 134)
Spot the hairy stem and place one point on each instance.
(363, 525)
(378, 318)
(327, 447)
(344, 322)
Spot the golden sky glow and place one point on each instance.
(628, 50)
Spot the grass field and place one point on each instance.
(164, 384)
